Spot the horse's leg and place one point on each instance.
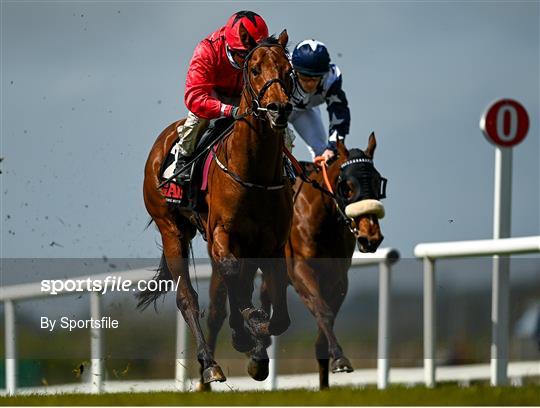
(217, 312)
(242, 340)
(239, 287)
(258, 357)
(306, 284)
(321, 353)
(276, 279)
(175, 248)
(335, 298)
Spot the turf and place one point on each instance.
(442, 395)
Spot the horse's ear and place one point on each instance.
(372, 144)
(246, 39)
(342, 150)
(283, 38)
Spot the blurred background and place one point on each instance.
(86, 87)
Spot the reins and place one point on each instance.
(321, 162)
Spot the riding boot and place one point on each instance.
(183, 177)
(188, 134)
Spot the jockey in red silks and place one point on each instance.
(214, 79)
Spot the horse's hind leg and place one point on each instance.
(321, 352)
(324, 305)
(175, 248)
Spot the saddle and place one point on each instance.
(190, 194)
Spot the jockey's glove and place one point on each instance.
(231, 111)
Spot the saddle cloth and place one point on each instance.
(179, 194)
(191, 194)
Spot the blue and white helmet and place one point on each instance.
(310, 57)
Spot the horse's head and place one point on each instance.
(268, 81)
(359, 189)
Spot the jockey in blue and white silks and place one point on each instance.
(317, 82)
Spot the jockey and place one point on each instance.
(214, 80)
(318, 81)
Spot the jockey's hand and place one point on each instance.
(328, 154)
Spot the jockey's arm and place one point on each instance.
(199, 95)
(338, 112)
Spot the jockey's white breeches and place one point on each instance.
(308, 124)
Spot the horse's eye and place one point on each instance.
(345, 190)
(255, 71)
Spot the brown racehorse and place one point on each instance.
(249, 210)
(320, 246)
(319, 251)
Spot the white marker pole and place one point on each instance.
(500, 289)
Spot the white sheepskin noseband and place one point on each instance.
(364, 207)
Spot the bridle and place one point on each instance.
(256, 97)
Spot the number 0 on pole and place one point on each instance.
(505, 123)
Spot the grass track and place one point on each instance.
(442, 395)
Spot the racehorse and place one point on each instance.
(322, 243)
(249, 212)
(326, 227)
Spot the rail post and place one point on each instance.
(11, 347)
(383, 346)
(96, 345)
(271, 381)
(429, 323)
(181, 349)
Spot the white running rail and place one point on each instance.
(430, 252)
(384, 257)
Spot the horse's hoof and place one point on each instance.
(342, 365)
(258, 369)
(242, 342)
(213, 373)
(202, 387)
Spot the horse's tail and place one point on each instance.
(146, 297)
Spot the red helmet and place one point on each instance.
(252, 22)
